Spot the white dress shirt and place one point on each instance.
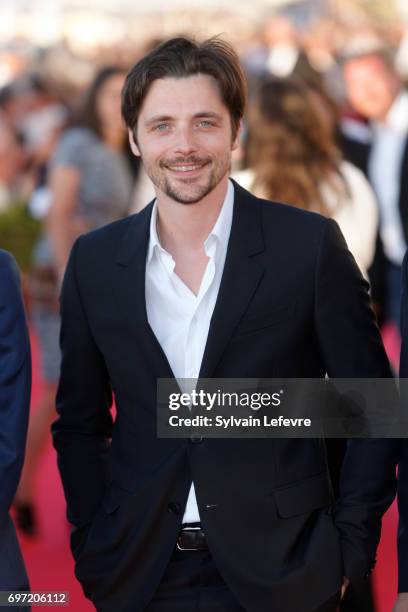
(179, 318)
(384, 169)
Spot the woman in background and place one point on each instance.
(292, 156)
(90, 184)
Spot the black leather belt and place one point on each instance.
(191, 537)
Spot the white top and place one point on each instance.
(384, 170)
(356, 212)
(180, 319)
(282, 59)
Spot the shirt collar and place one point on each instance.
(220, 231)
(154, 242)
(222, 227)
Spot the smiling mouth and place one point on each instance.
(186, 168)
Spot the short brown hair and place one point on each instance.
(183, 57)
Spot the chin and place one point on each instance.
(188, 195)
(187, 198)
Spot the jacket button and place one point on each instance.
(174, 508)
(196, 439)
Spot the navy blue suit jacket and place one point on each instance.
(15, 383)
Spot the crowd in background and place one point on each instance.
(326, 130)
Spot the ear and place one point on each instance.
(133, 145)
(237, 139)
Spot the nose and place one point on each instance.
(185, 141)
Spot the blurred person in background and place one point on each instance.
(320, 42)
(15, 385)
(292, 157)
(379, 146)
(280, 53)
(90, 174)
(37, 117)
(90, 184)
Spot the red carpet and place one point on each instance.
(48, 558)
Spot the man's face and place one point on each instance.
(184, 137)
(371, 86)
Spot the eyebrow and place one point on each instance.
(200, 115)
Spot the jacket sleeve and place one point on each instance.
(15, 381)
(83, 428)
(352, 348)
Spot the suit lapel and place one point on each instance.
(242, 274)
(131, 259)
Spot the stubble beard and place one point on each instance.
(191, 191)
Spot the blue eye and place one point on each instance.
(205, 123)
(161, 127)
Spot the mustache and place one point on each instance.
(191, 159)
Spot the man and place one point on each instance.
(380, 149)
(402, 600)
(209, 281)
(15, 384)
(280, 53)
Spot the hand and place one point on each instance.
(344, 586)
(401, 605)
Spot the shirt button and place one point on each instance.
(174, 508)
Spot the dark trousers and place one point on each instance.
(192, 583)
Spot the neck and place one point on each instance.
(186, 226)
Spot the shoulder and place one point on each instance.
(9, 278)
(73, 145)
(107, 233)
(106, 240)
(350, 171)
(244, 177)
(290, 218)
(6, 258)
(8, 265)
(360, 191)
(353, 175)
(273, 210)
(77, 135)
(292, 229)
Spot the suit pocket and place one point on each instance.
(82, 537)
(257, 322)
(304, 496)
(115, 498)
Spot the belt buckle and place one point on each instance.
(187, 529)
